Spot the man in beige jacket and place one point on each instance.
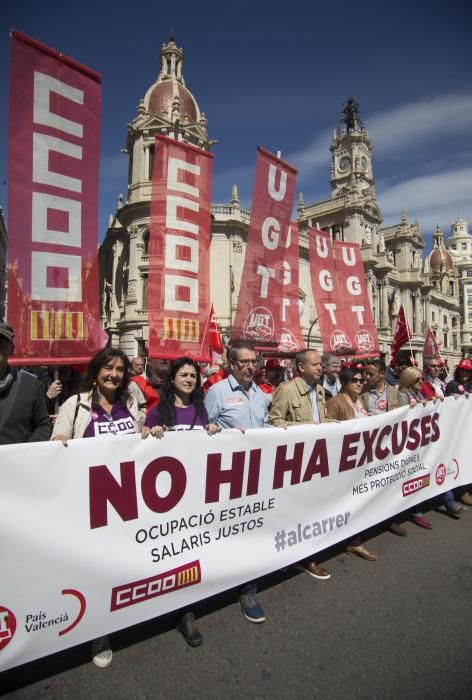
(301, 401)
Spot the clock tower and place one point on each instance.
(351, 148)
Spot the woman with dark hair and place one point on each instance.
(180, 402)
(346, 406)
(181, 408)
(104, 407)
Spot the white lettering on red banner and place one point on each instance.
(53, 142)
(179, 250)
(267, 311)
(341, 297)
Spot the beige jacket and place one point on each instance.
(291, 404)
(74, 416)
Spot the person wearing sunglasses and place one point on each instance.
(432, 386)
(346, 406)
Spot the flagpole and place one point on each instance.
(204, 337)
(231, 296)
(409, 342)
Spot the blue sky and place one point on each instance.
(275, 74)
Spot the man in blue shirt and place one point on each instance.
(237, 402)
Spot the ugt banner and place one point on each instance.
(53, 162)
(114, 530)
(179, 250)
(341, 298)
(267, 311)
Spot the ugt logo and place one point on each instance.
(259, 324)
(7, 626)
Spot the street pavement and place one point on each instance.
(397, 628)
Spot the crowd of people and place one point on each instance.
(117, 395)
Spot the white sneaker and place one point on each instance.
(101, 652)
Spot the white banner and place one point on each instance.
(111, 531)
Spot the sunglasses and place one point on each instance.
(435, 366)
(357, 381)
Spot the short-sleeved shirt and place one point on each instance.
(185, 416)
(118, 422)
(376, 403)
(229, 406)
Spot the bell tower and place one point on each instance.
(351, 149)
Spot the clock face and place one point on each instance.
(364, 163)
(344, 163)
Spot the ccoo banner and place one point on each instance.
(179, 250)
(122, 529)
(53, 161)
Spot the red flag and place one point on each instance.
(179, 245)
(342, 303)
(401, 336)
(267, 311)
(430, 347)
(215, 341)
(53, 159)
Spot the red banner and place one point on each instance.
(214, 336)
(401, 336)
(179, 248)
(342, 302)
(268, 311)
(53, 163)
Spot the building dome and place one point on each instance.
(168, 98)
(440, 260)
(161, 97)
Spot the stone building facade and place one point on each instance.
(396, 271)
(459, 245)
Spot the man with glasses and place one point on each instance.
(237, 402)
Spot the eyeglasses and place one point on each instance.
(357, 381)
(246, 363)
